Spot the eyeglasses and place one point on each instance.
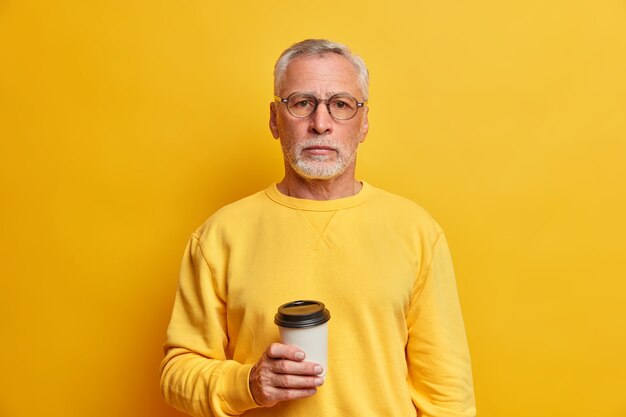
(340, 106)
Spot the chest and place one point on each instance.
(359, 269)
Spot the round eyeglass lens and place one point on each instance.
(301, 105)
(342, 107)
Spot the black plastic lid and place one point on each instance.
(301, 313)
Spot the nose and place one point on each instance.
(321, 121)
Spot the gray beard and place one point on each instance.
(316, 166)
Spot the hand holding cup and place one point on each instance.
(282, 374)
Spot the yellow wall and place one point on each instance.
(124, 124)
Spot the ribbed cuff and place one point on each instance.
(235, 388)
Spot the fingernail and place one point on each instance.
(318, 369)
(299, 355)
(319, 381)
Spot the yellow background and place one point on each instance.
(124, 124)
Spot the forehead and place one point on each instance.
(321, 74)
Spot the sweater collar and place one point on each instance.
(319, 205)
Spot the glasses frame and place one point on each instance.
(317, 103)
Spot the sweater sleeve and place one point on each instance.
(440, 374)
(196, 375)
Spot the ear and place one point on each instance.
(365, 124)
(273, 121)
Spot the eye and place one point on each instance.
(343, 103)
(301, 102)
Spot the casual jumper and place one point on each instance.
(380, 264)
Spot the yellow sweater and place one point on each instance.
(381, 265)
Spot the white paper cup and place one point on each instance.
(304, 323)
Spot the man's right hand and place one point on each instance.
(282, 374)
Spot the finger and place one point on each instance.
(282, 394)
(282, 351)
(296, 381)
(286, 366)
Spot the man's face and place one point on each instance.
(317, 146)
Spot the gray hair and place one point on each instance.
(319, 47)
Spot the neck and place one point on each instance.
(316, 189)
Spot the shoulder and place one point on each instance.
(397, 208)
(235, 215)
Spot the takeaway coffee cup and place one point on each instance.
(304, 323)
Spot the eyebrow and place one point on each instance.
(330, 94)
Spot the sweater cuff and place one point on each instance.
(235, 389)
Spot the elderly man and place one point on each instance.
(381, 265)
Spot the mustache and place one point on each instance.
(318, 140)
